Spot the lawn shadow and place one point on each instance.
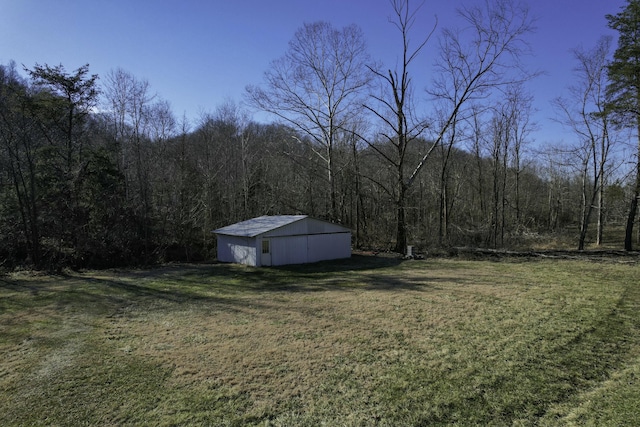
(357, 272)
(18, 286)
(109, 294)
(354, 263)
(210, 286)
(171, 292)
(228, 278)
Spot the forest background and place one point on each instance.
(98, 171)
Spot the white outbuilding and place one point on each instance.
(282, 240)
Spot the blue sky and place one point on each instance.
(197, 54)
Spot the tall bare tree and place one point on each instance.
(393, 106)
(483, 56)
(129, 102)
(585, 113)
(510, 129)
(315, 88)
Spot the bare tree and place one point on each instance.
(130, 104)
(315, 88)
(522, 104)
(483, 57)
(474, 61)
(477, 147)
(245, 156)
(585, 114)
(128, 100)
(510, 129)
(393, 106)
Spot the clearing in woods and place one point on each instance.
(366, 341)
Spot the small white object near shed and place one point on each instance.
(282, 240)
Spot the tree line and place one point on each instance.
(98, 171)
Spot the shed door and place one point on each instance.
(266, 252)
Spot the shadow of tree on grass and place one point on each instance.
(214, 286)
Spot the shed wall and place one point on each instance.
(329, 246)
(237, 249)
(289, 250)
(303, 241)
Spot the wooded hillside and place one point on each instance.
(98, 171)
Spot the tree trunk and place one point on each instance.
(600, 200)
(586, 218)
(586, 210)
(444, 204)
(359, 202)
(401, 236)
(628, 237)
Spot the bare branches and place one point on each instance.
(586, 114)
(393, 107)
(482, 57)
(316, 87)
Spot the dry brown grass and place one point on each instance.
(278, 347)
(391, 344)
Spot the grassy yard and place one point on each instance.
(363, 342)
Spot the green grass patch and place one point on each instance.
(366, 341)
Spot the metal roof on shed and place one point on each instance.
(256, 226)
